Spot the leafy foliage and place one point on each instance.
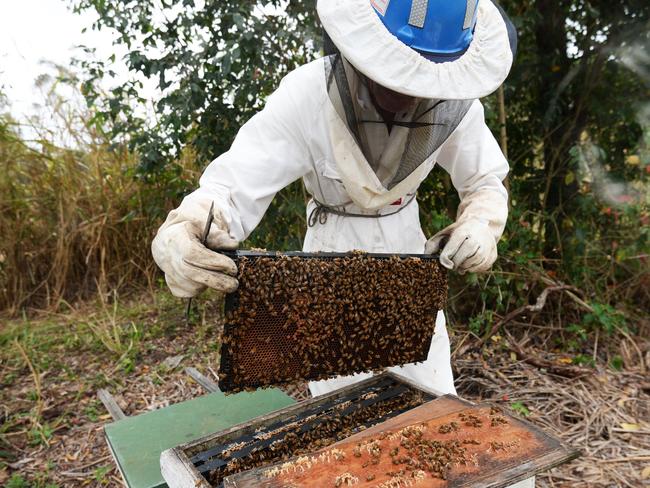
(572, 81)
(520, 408)
(214, 62)
(578, 133)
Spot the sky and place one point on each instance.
(34, 32)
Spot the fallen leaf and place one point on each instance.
(645, 474)
(173, 362)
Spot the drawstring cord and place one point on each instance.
(320, 212)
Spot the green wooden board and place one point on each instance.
(137, 442)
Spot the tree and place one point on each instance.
(568, 82)
(215, 61)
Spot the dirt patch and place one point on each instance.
(603, 414)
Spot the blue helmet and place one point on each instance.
(440, 30)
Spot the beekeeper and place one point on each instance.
(363, 128)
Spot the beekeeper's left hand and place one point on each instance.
(469, 246)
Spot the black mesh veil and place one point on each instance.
(432, 123)
(441, 117)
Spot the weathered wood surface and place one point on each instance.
(178, 471)
(532, 453)
(111, 405)
(445, 405)
(206, 383)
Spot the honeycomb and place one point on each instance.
(299, 318)
(319, 426)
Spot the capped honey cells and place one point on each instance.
(310, 318)
(418, 454)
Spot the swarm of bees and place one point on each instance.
(405, 457)
(503, 446)
(450, 427)
(470, 420)
(296, 319)
(496, 417)
(315, 432)
(414, 456)
(420, 454)
(301, 446)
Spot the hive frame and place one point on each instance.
(179, 471)
(226, 360)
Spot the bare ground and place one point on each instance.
(52, 366)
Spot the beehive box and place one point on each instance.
(444, 443)
(300, 316)
(300, 428)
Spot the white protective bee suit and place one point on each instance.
(305, 132)
(298, 135)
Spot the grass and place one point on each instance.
(52, 364)
(111, 329)
(77, 221)
(62, 218)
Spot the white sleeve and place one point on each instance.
(477, 167)
(269, 153)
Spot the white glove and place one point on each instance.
(466, 247)
(189, 266)
(470, 244)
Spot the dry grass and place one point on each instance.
(74, 221)
(64, 218)
(604, 414)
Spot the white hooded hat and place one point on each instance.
(362, 38)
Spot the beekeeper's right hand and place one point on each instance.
(189, 266)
